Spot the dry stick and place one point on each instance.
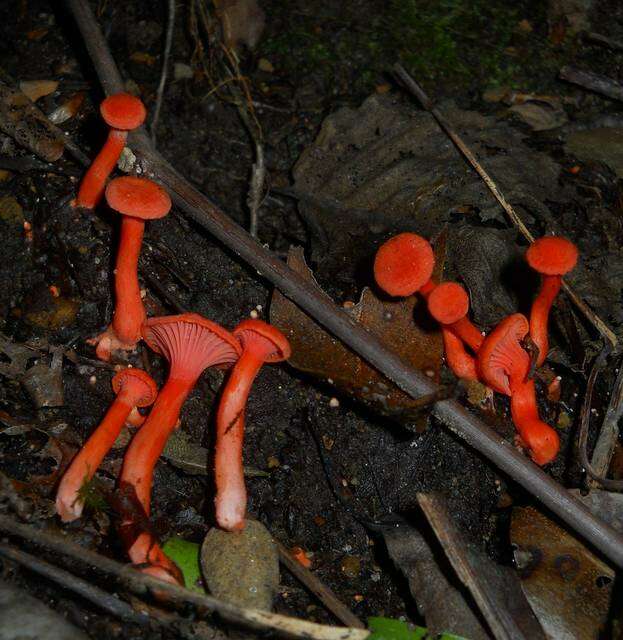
(585, 416)
(322, 309)
(597, 38)
(319, 589)
(142, 584)
(427, 103)
(165, 65)
(593, 82)
(86, 590)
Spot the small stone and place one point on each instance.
(334, 403)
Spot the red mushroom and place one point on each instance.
(448, 303)
(261, 343)
(553, 258)
(504, 366)
(404, 264)
(191, 344)
(134, 388)
(122, 112)
(137, 199)
(462, 363)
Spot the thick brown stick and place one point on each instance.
(320, 307)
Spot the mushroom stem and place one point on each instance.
(463, 365)
(231, 493)
(83, 467)
(92, 186)
(542, 441)
(129, 310)
(468, 333)
(147, 445)
(539, 314)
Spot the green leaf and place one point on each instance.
(186, 556)
(392, 629)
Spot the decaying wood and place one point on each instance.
(593, 82)
(458, 419)
(496, 590)
(142, 585)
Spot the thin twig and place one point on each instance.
(514, 217)
(319, 589)
(585, 417)
(322, 309)
(165, 66)
(84, 589)
(142, 584)
(597, 38)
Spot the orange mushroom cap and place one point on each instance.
(501, 356)
(142, 384)
(123, 111)
(552, 256)
(404, 264)
(448, 302)
(138, 197)
(189, 341)
(263, 338)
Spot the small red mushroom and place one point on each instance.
(122, 112)
(553, 258)
(448, 303)
(134, 388)
(137, 199)
(462, 363)
(261, 344)
(504, 366)
(191, 344)
(404, 264)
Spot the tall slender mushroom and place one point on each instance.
(122, 112)
(552, 257)
(504, 366)
(134, 388)
(191, 344)
(261, 344)
(137, 200)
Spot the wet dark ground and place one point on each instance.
(381, 464)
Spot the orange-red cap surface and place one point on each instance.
(448, 302)
(404, 264)
(138, 197)
(123, 111)
(552, 256)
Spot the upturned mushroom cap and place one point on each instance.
(265, 339)
(139, 383)
(501, 355)
(552, 256)
(448, 302)
(123, 111)
(404, 264)
(138, 197)
(191, 343)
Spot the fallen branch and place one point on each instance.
(320, 307)
(141, 584)
(514, 217)
(593, 82)
(597, 38)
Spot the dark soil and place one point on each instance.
(323, 58)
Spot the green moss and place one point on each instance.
(455, 45)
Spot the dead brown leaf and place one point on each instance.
(317, 352)
(36, 89)
(567, 586)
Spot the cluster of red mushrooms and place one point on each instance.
(505, 359)
(190, 343)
